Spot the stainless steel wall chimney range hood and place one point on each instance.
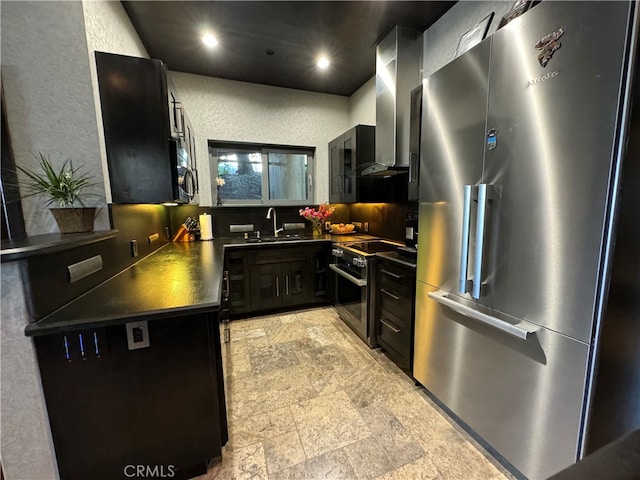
(398, 59)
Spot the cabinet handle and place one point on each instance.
(388, 325)
(227, 288)
(387, 292)
(277, 286)
(391, 274)
(286, 285)
(180, 129)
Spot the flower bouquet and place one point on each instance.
(317, 217)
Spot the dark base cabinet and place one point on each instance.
(272, 278)
(115, 412)
(280, 277)
(395, 304)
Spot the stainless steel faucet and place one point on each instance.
(276, 230)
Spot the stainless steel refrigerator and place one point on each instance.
(522, 142)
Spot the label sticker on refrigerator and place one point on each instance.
(492, 139)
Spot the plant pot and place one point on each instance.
(74, 220)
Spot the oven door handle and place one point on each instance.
(356, 281)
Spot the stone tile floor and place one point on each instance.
(307, 399)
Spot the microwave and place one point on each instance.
(184, 176)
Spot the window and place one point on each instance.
(262, 174)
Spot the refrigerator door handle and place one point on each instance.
(480, 227)
(464, 250)
(521, 330)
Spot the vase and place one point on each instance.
(74, 220)
(317, 229)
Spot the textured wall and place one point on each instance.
(45, 74)
(108, 29)
(362, 104)
(26, 448)
(246, 112)
(50, 108)
(441, 39)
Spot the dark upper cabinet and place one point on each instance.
(147, 135)
(347, 155)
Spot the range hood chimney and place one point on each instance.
(398, 61)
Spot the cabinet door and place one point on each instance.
(239, 285)
(320, 288)
(105, 411)
(336, 172)
(266, 286)
(135, 116)
(297, 279)
(349, 166)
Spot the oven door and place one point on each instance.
(351, 300)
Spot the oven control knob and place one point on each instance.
(359, 262)
(337, 252)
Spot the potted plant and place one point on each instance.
(66, 188)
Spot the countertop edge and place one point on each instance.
(33, 330)
(46, 326)
(394, 258)
(50, 243)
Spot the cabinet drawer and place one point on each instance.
(278, 255)
(396, 303)
(402, 321)
(397, 279)
(393, 338)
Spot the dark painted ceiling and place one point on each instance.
(294, 31)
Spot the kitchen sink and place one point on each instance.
(282, 238)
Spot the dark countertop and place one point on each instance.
(49, 243)
(176, 278)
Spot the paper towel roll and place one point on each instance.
(206, 227)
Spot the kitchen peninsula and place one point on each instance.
(136, 361)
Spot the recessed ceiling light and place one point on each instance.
(323, 62)
(209, 40)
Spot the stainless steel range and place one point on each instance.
(353, 264)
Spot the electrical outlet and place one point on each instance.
(137, 335)
(327, 225)
(366, 226)
(134, 248)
